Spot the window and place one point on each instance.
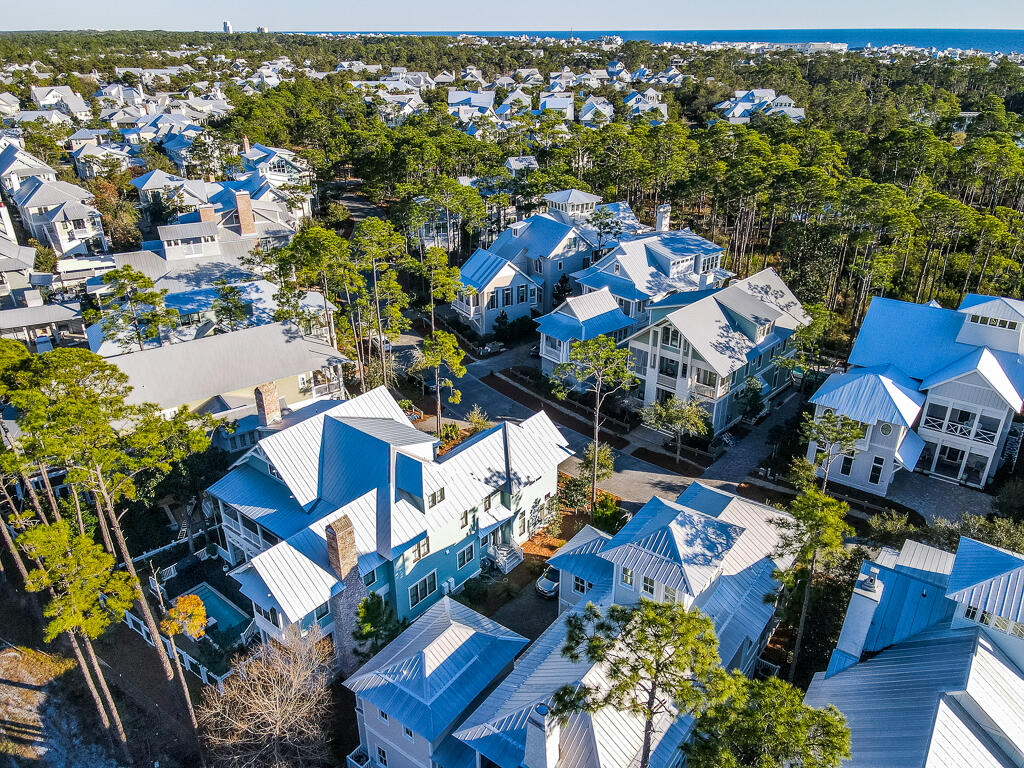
(670, 338)
(369, 578)
(886, 429)
(648, 585)
(876, 470)
(522, 523)
(668, 367)
(846, 466)
(382, 715)
(464, 520)
(579, 585)
(627, 577)
(382, 757)
(971, 613)
(538, 266)
(670, 594)
(465, 556)
(1017, 630)
(521, 297)
(492, 300)
(559, 266)
(423, 589)
(437, 497)
(421, 549)
(409, 734)
(707, 378)
(1000, 623)
(506, 296)
(321, 611)
(533, 295)
(487, 504)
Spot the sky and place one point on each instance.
(420, 15)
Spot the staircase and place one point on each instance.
(505, 556)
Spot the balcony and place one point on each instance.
(464, 308)
(709, 393)
(358, 758)
(667, 382)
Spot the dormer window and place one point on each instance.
(436, 497)
(616, 269)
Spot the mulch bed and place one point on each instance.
(684, 466)
(536, 404)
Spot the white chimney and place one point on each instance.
(664, 213)
(542, 736)
(871, 580)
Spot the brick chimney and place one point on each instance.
(268, 403)
(245, 145)
(206, 213)
(246, 220)
(346, 597)
(341, 547)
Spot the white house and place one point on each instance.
(60, 215)
(706, 345)
(412, 694)
(709, 550)
(929, 667)
(935, 389)
(579, 318)
(62, 98)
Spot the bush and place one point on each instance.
(450, 433)
(1010, 501)
(608, 516)
(474, 590)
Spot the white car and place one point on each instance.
(547, 584)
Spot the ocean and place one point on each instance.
(988, 40)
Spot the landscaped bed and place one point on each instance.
(684, 466)
(534, 403)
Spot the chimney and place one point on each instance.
(871, 580)
(341, 547)
(245, 145)
(542, 737)
(246, 220)
(268, 403)
(664, 213)
(206, 213)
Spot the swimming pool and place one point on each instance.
(225, 613)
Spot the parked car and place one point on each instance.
(547, 584)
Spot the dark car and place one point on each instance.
(547, 584)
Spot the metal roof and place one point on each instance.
(943, 699)
(430, 674)
(872, 395)
(989, 579)
(584, 317)
(187, 231)
(579, 556)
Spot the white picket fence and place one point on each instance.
(187, 662)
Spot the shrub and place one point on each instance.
(474, 590)
(608, 517)
(450, 433)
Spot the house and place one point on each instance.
(278, 166)
(579, 318)
(62, 98)
(746, 104)
(60, 215)
(218, 374)
(9, 105)
(559, 102)
(650, 266)
(18, 166)
(50, 116)
(87, 136)
(537, 253)
(935, 389)
(596, 110)
(30, 319)
(412, 694)
(709, 550)
(707, 344)
(929, 666)
(355, 499)
(521, 165)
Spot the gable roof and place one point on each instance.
(983, 362)
(988, 578)
(870, 395)
(429, 674)
(585, 317)
(483, 266)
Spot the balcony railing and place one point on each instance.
(666, 381)
(960, 430)
(932, 423)
(985, 436)
(712, 393)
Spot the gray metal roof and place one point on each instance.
(26, 317)
(178, 374)
(187, 231)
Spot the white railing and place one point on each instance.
(764, 668)
(960, 430)
(505, 556)
(932, 423)
(985, 436)
(666, 381)
(189, 663)
(713, 393)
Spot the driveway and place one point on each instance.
(936, 498)
(744, 457)
(527, 613)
